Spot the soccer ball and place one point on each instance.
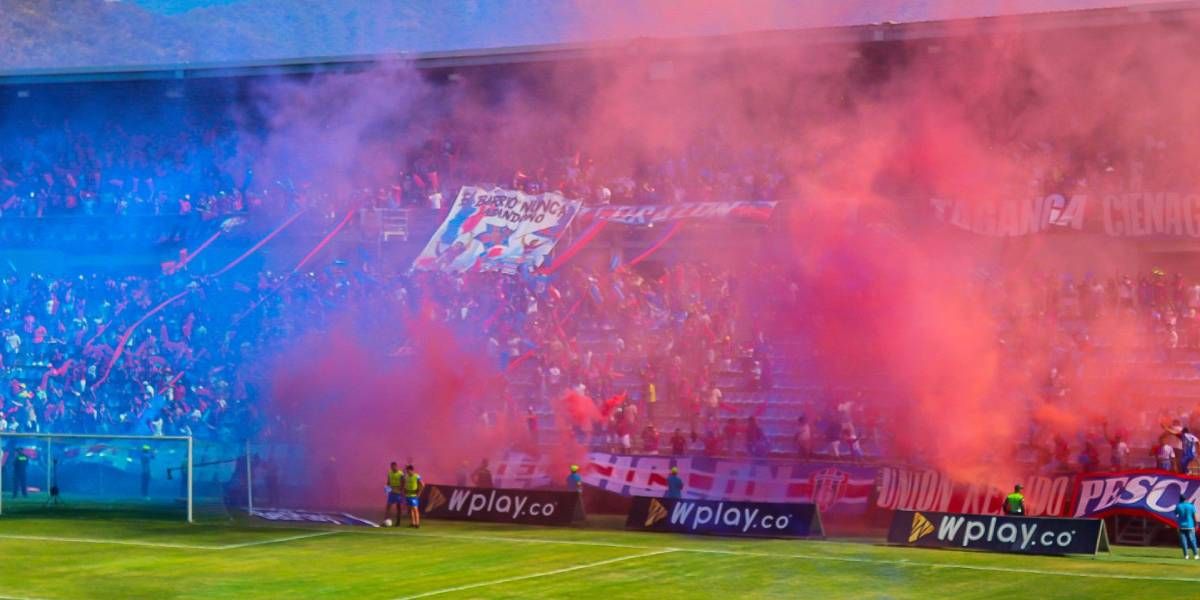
(387, 522)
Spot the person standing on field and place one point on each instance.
(412, 495)
(1185, 516)
(395, 488)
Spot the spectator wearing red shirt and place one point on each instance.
(678, 443)
(650, 439)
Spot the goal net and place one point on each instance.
(138, 476)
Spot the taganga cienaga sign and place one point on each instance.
(1125, 214)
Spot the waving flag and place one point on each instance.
(497, 230)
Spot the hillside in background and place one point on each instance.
(83, 34)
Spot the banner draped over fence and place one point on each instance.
(1147, 493)
(497, 230)
(834, 488)
(661, 213)
(929, 490)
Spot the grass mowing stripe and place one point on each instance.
(591, 565)
(933, 565)
(277, 540)
(74, 540)
(851, 559)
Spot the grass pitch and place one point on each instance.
(82, 556)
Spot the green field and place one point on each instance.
(85, 556)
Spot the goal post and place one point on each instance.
(137, 476)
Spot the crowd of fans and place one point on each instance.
(203, 165)
(1116, 343)
(650, 345)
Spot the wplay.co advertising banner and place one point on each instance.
(755, 519)
(530, 507)
(1022, 535)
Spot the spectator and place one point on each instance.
(650, 439)
(482, 477)
(678, 443)
(803, 438)
(1165, 456)
(1188, 442)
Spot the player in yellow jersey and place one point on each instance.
(412, 494)
(395, 493)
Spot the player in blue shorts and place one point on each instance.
(395, 493)
(412, 494)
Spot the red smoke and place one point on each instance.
(951, 328)
(354, 406)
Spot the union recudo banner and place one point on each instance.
(930, 490)
(497, 230)
(714, 517)
(494, 505)
(1021, 535)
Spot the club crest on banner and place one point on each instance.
(829, 486)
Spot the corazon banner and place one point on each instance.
(755, 519)
(530, 507)
(929, 490)
(497, 230)
(1117, 214)
(660, 213)
(1022, 535)
(1147, 493)
(838, 489)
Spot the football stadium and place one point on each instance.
(570, 299)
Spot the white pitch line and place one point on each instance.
(489, 538)
(277, 540)
(591, 565)
(826, 557)
(73, 540)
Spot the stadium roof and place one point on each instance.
(107, 38)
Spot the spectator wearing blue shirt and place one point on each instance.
(674, 484)
(1185, 515)
(574, 480)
